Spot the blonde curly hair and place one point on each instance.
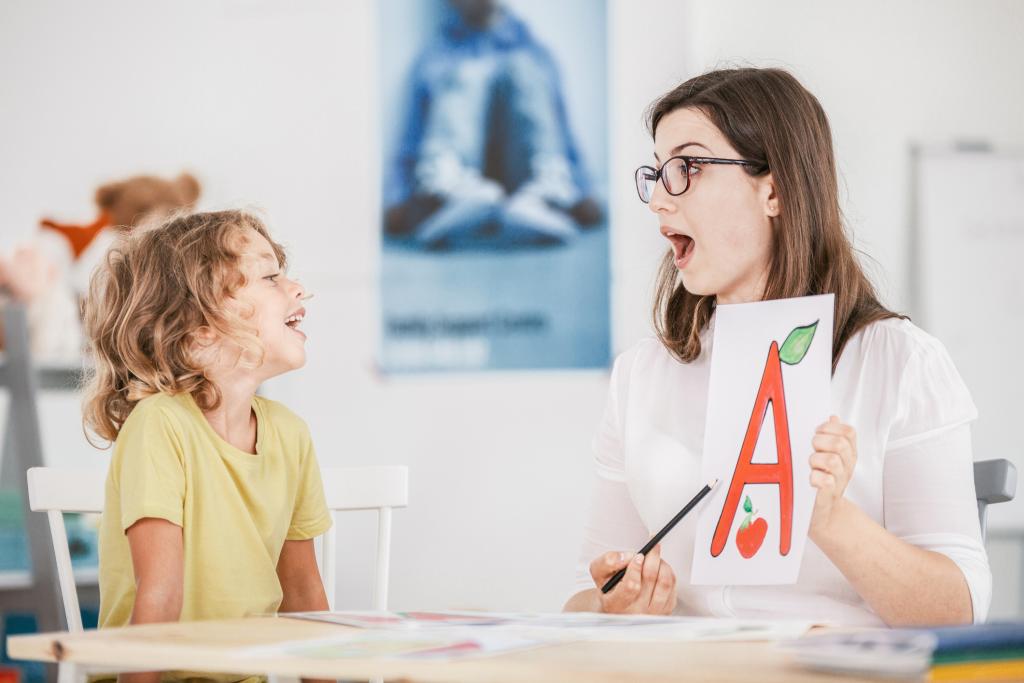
(157, 287)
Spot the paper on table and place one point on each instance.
(769, 390)
(452, 618)
(400, 620)
(688, 629)
(443, 644)
(564, 626)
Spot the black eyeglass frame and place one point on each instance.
(687, 161)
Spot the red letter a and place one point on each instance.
(747, 472)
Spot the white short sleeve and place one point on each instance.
(928, 482)
(932, 396)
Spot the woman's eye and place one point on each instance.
(273, 278)
(677, 172)
(694, 170)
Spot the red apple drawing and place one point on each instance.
(752, 531)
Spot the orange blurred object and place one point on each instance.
(79, 237)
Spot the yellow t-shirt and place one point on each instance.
(235, 509)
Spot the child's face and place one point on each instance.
(276, 305)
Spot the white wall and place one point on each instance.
(273, 104)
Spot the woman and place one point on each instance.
(745, 193)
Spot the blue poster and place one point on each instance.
(494, 223)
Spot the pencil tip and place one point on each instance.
(712, 484)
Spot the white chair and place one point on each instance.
(56, 490)
(362, 488)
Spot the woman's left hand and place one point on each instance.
(832, 463)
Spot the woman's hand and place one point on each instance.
(649, 586)
(832, 463)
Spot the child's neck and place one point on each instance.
(234, 420)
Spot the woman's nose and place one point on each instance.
(661, 200)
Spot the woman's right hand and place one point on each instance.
(649, 586)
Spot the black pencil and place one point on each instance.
(614, 581)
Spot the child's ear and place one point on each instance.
(203, 338)
(205, 335)
(203, 347)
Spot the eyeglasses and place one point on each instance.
(675, 174)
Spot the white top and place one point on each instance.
(895, 384)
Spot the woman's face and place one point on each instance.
(720, 228)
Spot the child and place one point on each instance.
(214, 493)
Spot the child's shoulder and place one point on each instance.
(284, 419)
(158, 418)
(160, 407)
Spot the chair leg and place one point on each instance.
(380, 588)
(68, 672)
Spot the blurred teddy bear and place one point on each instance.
(51, 274)
(131, 201)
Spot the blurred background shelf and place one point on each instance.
(29, 593)
(22, 578)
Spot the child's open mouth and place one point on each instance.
(294, 320)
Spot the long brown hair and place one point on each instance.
(772, 120)
(157, 287)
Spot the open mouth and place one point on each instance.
(682, 247)
(294, 321)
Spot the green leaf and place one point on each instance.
(795, 347)
(747, 505)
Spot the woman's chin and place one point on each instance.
(694, 284)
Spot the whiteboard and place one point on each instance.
(967, 255)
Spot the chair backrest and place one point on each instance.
(995, 481)
(56, 490)
(363, 488)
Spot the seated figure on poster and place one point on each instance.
(486, 157)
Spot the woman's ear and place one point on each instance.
(769, 197)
